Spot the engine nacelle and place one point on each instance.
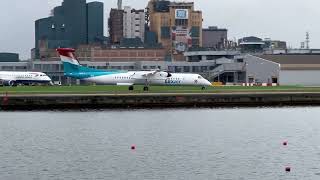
(165, 74)
(8, 83)
(169, 74)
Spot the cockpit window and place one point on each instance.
(199, 77)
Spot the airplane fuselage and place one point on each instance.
(138, 78)
(73, 69)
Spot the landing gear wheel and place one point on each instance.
(203, 88)
(146, 88)
(131, 88)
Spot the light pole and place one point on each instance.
(246, 73)
(219, 75)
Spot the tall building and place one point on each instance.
(43, 30)
(214, 37)
(178, 25)
(115, 23)
(94, 19)
(133, 23)
(73, 23)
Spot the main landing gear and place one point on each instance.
(146, 85)
(145, 88)
(203, 88)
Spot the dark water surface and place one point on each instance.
(193, 144)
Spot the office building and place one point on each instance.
(133, 23)
(178, 26)
(115, 23)
(214, 37)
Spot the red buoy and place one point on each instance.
(285, 143)
(133, 147)
(288, 169)
(5, 99)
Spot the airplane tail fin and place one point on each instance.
(69, 60)
(72, 67)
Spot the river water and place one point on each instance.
(195, 144)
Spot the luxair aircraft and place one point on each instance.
(13, 78)
(73, 69)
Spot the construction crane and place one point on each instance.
(119, 4)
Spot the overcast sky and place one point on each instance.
(286, 20)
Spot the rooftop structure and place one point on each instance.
(205, 54)
(251, 45)
(9, 57)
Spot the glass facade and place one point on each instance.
(75, 20)
(73, 23)
(95, 21)
(9, 57)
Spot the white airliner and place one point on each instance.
(13, 78)
(73, 69)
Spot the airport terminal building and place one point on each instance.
(297, 69)
(228, 67)
(225, 67)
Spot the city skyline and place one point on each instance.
(288, 22)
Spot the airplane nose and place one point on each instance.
(207, 83)
(48, 79)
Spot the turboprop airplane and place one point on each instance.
(73, 69)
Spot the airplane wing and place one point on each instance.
(151, 73)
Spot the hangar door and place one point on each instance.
(300, 77)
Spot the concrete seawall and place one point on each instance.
(155, 100)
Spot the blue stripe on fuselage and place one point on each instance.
(85, 75)
(81, 72)
(31, 81)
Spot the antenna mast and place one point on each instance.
(119, 4)
(307, 40)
